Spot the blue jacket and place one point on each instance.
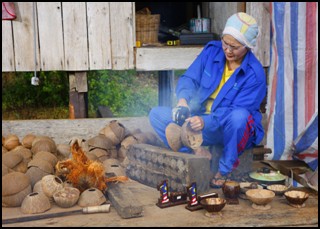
(246, 88)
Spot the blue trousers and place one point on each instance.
(233, 131)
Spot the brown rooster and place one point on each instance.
(84, 173)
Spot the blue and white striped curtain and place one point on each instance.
(292, 106)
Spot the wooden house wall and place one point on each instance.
(70, 36)
(82, 36)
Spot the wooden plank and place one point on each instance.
(23, 35)
(122, 35)
(166, 58)
(219, 12)
(78, 81)
(260, 11)
(99, 35)
(75, 36)
(124, 201)
(8, 64)
(50, 35)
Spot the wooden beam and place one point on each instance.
(78, 96)
(166, 58)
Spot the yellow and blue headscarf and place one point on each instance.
(243, 28)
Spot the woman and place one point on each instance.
(223, 88)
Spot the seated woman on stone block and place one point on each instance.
(223, 88)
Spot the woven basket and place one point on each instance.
(147, 28)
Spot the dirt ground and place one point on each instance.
(280, 214)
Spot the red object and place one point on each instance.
(8, 11)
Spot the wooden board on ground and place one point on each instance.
(242, 215)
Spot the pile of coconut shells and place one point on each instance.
(29, 179)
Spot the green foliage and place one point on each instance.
(17, 91)
(122, 92)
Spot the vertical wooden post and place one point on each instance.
(78, 95)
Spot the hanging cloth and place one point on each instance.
(8, 11)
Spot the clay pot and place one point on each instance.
(35, 203)
(91, 197)
(231, 189)
(15, 187)
(66, 197)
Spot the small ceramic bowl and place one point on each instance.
(213, 205)
(296, 198)
(260, 198)
(278, 189)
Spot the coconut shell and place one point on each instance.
(35, 203)
(91, 197)
(63, 150)
(115, 131)
(27, 140)
(50, 184)
(43, 143)
(46, 156)
(189, 137)
(66, 197)
(35, 174)
(173, 136)
(100, 141)
(15, 200)
(11, 141)
(14, 182)
(12, 159)
(4, 150)
(24, 152)
(6, 170)
(43, 165)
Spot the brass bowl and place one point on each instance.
(260, 198)
(213, 204)
(296, 198)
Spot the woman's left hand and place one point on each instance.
(196, 123)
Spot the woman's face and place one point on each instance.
(233, 49)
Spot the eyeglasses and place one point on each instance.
(230, 47)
